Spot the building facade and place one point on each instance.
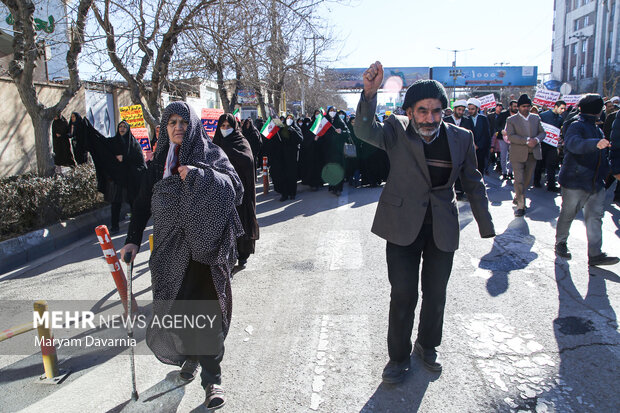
(586, 45)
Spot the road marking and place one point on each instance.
(340, 250)
(318, 381)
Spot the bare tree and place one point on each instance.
(26, 51)
(254, 45)
(148, 31)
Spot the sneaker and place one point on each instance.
(561, 250)
(520, 212)
(603, 259)
(537, 185)
(553, 188)
(429, 357)
(214, 397)
(394, 372)
(283, 198)
(189, 369)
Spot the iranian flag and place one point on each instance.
(269, 129)
(237, 114)
(320, 125)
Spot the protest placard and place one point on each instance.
(553, 134)
(209, 118)
(142, 135)
(132, 115)
(487, 101)
(135, 118)
(571, 100)
(546, 98)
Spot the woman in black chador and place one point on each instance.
(192, 191)
(312, 157)
(333, 144)
(63, 155)
(228, 136)
(128, 166)
(78, 132)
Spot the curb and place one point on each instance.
(21, 250)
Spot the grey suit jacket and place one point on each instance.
(518, 130)
(408, 192)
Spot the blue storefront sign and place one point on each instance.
(470, 76)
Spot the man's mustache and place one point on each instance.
(428, 125)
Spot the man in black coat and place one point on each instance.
(550, 159)
(458, 118)
(482, 133)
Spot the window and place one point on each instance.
(574, 48)
(586, 20)
(582, 71)
(576, 25)
(574, 72)
(584, 46)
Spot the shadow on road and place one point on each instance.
(404, 397)
(587, 339)
(165, 396)
(511, 251)
(307, 204)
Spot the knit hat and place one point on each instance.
(475, 102)
(425, 89)
(460, 102)
(524, 99)
(591, 104)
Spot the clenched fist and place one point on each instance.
(373, 78)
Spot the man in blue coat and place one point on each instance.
(482, 133)
(582, 177)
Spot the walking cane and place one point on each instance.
(127, 259)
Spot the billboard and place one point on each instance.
(351, 78)
(470, 76)
(247, 97)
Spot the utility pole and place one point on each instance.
(454, 72)
(314, 38)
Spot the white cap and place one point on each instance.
(475, 102)
(460, 102)
(615, 99)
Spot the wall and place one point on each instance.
(17, 152)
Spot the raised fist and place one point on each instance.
(373, 78)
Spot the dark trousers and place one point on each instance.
(548, 163)
(198, 285)
(116, 213)
(403, 273)
(482, 155)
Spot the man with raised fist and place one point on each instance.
(417, 211)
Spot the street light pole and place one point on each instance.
(455, 73)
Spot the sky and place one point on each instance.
(407, 33)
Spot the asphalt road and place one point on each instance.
(523, 331)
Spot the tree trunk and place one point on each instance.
(45, 160)
(261, 102)
(221, 88)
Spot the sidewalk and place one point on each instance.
(19, 251)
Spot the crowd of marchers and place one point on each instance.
(200, 192)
